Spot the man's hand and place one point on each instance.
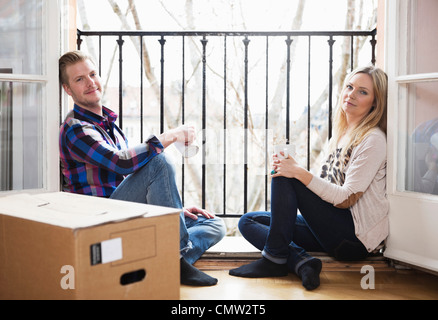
(194, 212)
(184, 134)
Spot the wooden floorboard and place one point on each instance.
(329, 264)
(337, 283)
(340, 280)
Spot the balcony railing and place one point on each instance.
(251, 88)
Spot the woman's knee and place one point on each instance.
(243, 223)
(281, 188)
(249, 219)
(281, 181)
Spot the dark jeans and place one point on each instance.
(285, 236)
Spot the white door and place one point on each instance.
(412, 66)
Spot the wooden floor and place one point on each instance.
(335, 285)
(339, 281)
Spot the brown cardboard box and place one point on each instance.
(65, 246)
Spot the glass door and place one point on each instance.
(29, 94)
(412, 67)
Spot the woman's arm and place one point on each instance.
(365, 162)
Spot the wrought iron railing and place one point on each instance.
(246, 37)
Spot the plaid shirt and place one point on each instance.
(94, 153)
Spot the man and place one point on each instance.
(96, 160)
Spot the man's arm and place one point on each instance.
(86, 144)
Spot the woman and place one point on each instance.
(344, 210)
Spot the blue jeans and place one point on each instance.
(155, 184)
(284, 236)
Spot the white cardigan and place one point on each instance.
(364, 190)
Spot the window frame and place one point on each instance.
(412, 215)
(53, 41)
(398, 80)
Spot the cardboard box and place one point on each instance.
(66, 246)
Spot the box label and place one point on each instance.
(106, 251)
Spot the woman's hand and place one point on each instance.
(284, 167)
(290, 168)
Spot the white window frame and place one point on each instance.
(413, 216)
(54, 41)
(392, 64)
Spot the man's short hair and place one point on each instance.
(68, 59)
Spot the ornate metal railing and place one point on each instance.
(204, 37)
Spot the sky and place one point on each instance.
(214, 15)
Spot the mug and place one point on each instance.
(286, 149)
(187, 151)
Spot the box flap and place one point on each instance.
(72, 211)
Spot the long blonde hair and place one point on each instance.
(376, 118)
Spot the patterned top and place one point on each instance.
(332, 171)
(94, 153)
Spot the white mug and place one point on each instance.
(187, 151)
(287, 149)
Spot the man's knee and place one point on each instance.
(163, 162)
(218, 228)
